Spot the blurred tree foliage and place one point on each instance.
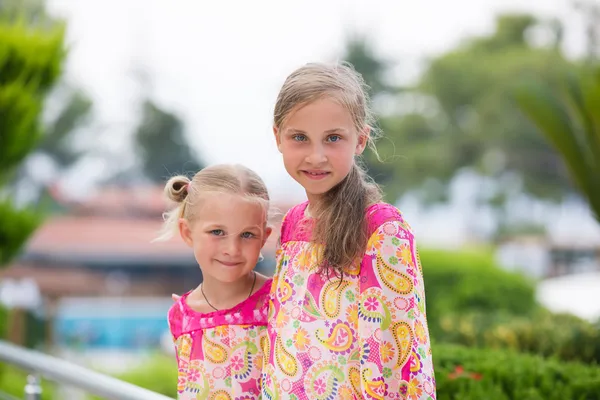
(31, 57)
(72, 106)
(161, 144)
(461, 115)
(567, 112)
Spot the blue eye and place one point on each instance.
(248, 235)
(334, 138)
(217, 232)
(299, 138)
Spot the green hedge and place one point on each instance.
(462, 373)
(472, 301)
(476, 374)
(465, 282)
(562, 335)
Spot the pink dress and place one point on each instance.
(363, 338)
(219, 354)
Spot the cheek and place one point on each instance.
(204, 245)
(253, 248)
(342, 156)
(290, 152)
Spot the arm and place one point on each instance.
(392, 327)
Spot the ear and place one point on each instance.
(185, 231)
(268, 232)
(363, 139)
(277, 138)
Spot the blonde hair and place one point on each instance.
(222, 178)
(340, 223)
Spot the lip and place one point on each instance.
(229, 264)
(316, 174)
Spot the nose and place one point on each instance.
(232, 247)
(317, 155)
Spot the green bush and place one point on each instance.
(472, 301)
(462, 373)
(562, 335)
(474, 374)
(465, 282)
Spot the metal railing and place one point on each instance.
(42, 365)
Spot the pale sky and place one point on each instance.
(219, 65)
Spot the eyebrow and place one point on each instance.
(223, 227)
(329, 131)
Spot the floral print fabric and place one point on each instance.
(219, 354)
(364, 337)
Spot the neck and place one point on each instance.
(313, 200)
(223, 295)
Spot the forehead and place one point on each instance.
(320, 115)
(230, 210)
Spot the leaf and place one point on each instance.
(550, 116)
(571, 123)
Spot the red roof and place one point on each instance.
(116, 222)
(99, 234)
(112, 236)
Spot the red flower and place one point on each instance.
(459, 372)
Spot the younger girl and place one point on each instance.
(217, 327)
(347, 315)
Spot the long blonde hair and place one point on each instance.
(222, 178)
(340, 223)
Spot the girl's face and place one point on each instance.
(319, 142)
(227, 234)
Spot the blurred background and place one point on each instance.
(491, 116)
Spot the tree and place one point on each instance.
(33, 12)
(30, 64)
(161, 144)
(359, 54)
(590, 11)
(568, 115)
(56, 143)
(460, 116)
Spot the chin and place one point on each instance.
(319, 190)
(233, 276)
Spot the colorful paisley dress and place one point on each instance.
(219, 354)
(365, 337)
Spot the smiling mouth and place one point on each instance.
(229, 264)
(316, 174)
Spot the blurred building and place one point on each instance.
(541, 257)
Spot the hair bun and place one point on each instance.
(176, 188)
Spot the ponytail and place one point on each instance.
(340, 223)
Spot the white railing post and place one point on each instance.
(33, 388)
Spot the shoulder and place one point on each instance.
(295, 213)
(175, 316)
(387, 225)
(290, 220)
(379, 214)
